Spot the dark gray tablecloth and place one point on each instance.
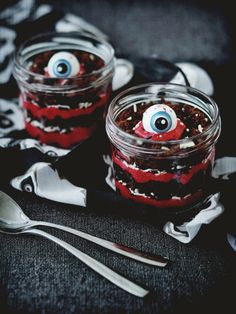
(37, 276)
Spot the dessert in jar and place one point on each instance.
(65, 84)
(163, 140)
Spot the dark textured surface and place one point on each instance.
(37, 276)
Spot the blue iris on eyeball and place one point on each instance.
(63, 65)
(159, 119)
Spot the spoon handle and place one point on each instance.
(140, 256)
(100, 268)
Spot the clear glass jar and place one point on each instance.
(63, 111)
(165, 174)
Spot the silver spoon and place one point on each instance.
(13, 218)
(100, 268)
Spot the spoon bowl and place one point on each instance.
(11, 215)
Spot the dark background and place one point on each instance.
(174, 30)
(36, 276)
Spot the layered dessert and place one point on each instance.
(65, 118)
(177, 175)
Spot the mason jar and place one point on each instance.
(65, 85)
(163, 170)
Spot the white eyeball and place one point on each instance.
(63, 65)
(159, 119)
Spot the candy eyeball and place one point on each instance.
(159, 119)
(63, 65)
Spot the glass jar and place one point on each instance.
(64, 111)
(165, 174)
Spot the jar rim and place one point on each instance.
(21, 48)
(118, 130)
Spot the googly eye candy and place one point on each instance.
(159, 119)
(63, 65)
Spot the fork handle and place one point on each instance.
(140, 256)
(97, 266)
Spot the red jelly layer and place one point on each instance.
(142, 176)
(190, 199)
(64, 140)
(51, 113)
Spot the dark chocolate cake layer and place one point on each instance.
(194, 119)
